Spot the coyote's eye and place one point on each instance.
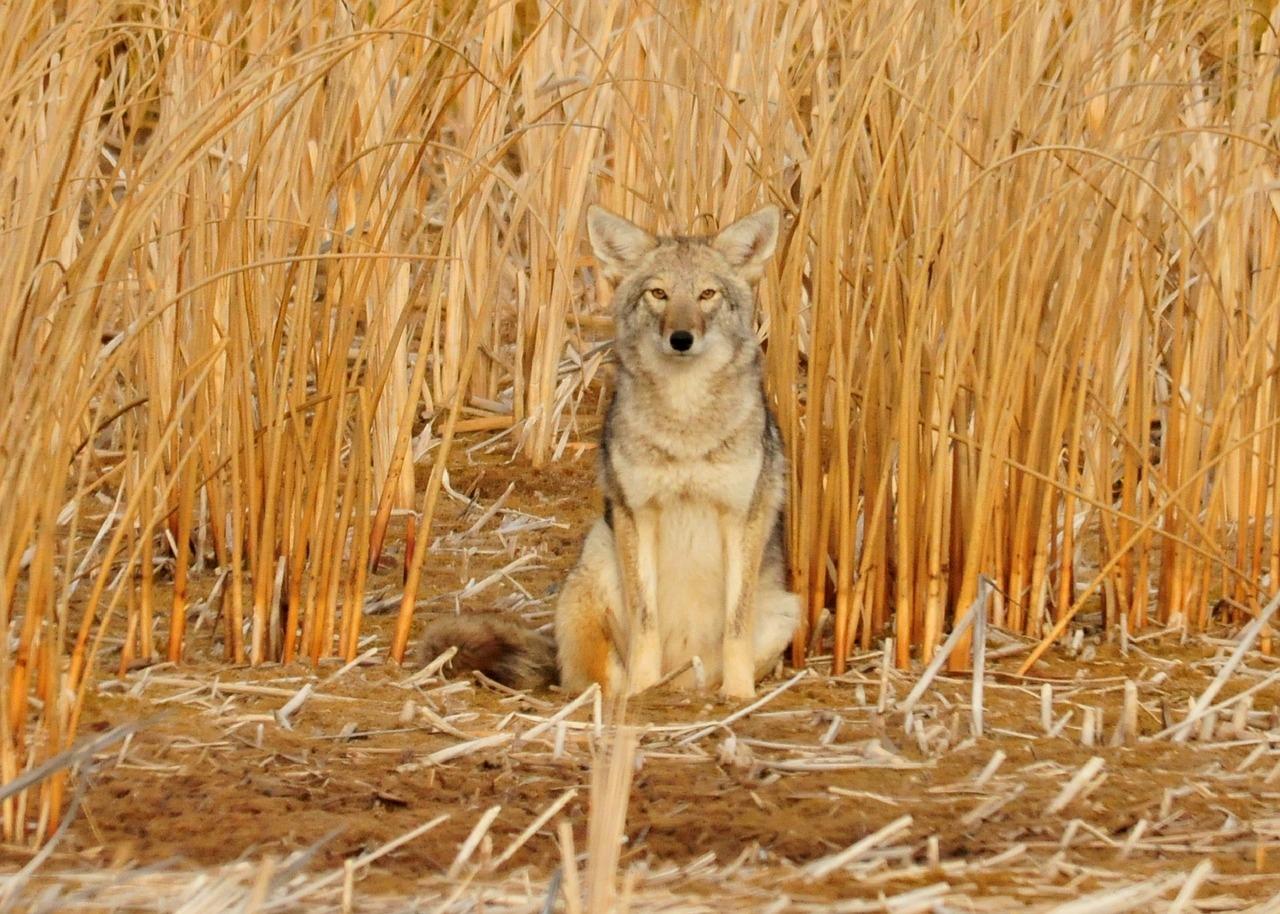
(707, 293)
(659, 294)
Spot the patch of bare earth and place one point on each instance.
(819, 798)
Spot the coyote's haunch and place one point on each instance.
(689, 558)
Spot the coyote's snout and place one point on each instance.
(689, 557)
(682, 318)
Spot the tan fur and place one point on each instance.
(689, 558)
(685, 316)
(585, 641)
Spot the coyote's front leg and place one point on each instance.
(636, 536)
(743, 541)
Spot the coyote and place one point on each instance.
(689, 557)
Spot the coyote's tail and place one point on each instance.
(505, 651)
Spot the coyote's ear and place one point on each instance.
(617, 243)
(749, 242)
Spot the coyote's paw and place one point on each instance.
(643, 678)
(739, 680)
(737, 685)
(645, 668)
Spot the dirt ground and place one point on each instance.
(219, 789)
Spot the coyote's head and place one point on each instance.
(683, 298)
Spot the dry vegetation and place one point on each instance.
(367, 787)
(264, 260)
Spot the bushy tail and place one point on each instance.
(505, 651)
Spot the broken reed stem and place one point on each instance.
(468, 847)
(1203, 870)
(377, 853)
(977, 608)
(610, 795)
(1079, 781)
(535, 826)
(744, 711)
(823, 867)
(976, 696)
(570, 884)
(1181, 731)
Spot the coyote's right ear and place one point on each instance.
(749, 242)
(617, 243)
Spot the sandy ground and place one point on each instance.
(821, 798)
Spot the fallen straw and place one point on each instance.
(990, 806)
(1115, 901)
(477, 587)
(236, 688)
(397, 843)
(1225, 703)
(76, 755)
(743, 712)
(440, 723)
(538, 729)
(350, 665)
(691, 663)
(494, 686)
(1135, 835)
(1202, 871)
(489, 513)
(375, 854)
(1077, 783)
(957, 632)
(824, 866)
(533, 827)
(1181, 731)
(431, 669)
(292, 705)
(452, 752)
(469, 846)
(988, 770)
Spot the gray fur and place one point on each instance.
(689, 557)
(688, 437)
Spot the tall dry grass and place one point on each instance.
(264, 258)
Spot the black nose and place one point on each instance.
(681, 341)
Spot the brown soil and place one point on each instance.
(213, 778)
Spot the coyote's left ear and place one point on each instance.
(749, 242)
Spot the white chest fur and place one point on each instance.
(690, 585)
(723, 484)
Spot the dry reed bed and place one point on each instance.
(262, 258)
